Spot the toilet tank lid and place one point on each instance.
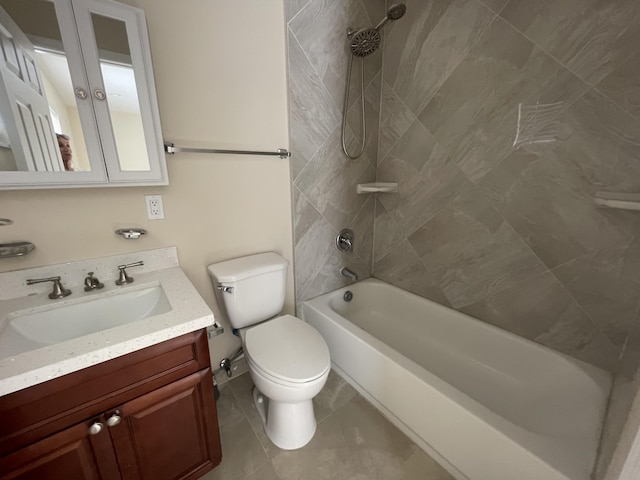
(245, 267)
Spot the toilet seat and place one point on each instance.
(287, 350)
(284, 383)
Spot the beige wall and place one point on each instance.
(221, 81)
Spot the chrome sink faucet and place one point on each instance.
(58, 290)
(123, 277)
(350, 274)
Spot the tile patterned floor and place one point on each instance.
(352, 442)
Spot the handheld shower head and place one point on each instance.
(365, 41)
(395, 12)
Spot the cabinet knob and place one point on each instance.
(95, 428)
(99, 94)
(114, 420)
(80, 93)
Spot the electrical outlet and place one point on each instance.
(155, 210)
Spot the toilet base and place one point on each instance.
(288, 425)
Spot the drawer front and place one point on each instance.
(35, 412)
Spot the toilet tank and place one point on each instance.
(258, 286)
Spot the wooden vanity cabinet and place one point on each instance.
(149, 415)
(69, 454)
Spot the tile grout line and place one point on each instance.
(315, 273)
(544, 50)
(579, 305)
(416, 116)
(548, 269)
(246, 418)
(589, 87)
(415, 119)
(321, 81)
(614, 103)
(298, 12)
(311, 160)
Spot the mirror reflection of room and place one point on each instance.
(35, 114)
(66, 152)
(37, 100)
(120, 86)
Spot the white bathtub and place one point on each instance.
(487, 404)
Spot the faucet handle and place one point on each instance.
(92, 283)
(58, 290)
(123, 278)
(344, 240)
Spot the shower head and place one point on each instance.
(395, 12)
(364, 42)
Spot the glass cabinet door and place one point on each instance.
(112, 41)
(77, 96)
(47, 124)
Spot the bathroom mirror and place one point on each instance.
(77, 98)
(120, 87)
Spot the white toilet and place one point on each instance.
(288, 359)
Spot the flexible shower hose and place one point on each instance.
(346, 108)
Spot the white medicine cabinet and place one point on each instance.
(77, 96)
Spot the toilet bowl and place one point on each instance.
(288, 359)
(289, 364)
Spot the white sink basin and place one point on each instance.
(42, 339)
(53, 323)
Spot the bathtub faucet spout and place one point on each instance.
(345, 272)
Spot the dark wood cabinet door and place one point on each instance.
(34, 413)
(69, 454)
(170, 433)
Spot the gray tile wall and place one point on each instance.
(324, 180)
(510, 237)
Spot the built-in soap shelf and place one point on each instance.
(623, 201)
(377, 187)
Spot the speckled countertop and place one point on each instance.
(188, 313)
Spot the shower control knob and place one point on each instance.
(344, 240)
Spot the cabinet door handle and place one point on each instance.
(99, 94)
(80, 93)
(114, 420)
(95, 428)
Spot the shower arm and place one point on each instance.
(382, 23)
